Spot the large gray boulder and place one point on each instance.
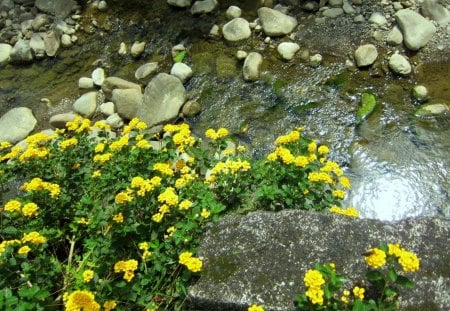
(204, 6)
(127, 102)
(86, 104)
(163, 98)
(261, 258)
(16, 124)
(365, 55)
(416, 29)
(112, 83)
(60, 8)
(435, 11)
(275, 23)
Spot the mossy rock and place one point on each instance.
(432, 110)
(368, 104)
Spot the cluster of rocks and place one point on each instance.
(34, 29)
(198, 7)
(116, 100)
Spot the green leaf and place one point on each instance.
(374, 275)
(389, 292)
(10, 230)
(392, 275)
(404, 281)
(359, 306)
(179, 57)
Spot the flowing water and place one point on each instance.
(398, 165)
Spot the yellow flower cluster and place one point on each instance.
(322, 150)
(120, 143)
(143, 246)
(79, 125)
(37, 184)
(194, 264)
(320, 177)
(227, 167)
(30, 210)
(109, 305)
(212, 134)
(135, 123)
(102, 158)
(292, 136)
(88, 275)
(205, 213)
(118, 218)
(340, 194)
(35, 148)
(163, 168)
(145, 185)
(128, 267)
(124, 196)
(349, 211)
(408, 260)
(359, 292)
(375, 258)
(185, 205)
(102, 125)
(14, 152)
(169, 197)
(255, 308)
(24, 250)
(81, 300)
(331, 166)
(314, 280)
(183, 180)
(5, 145)
(68, 142)
(34, 238)
(345, 182)
(5, 243)
(182, 136)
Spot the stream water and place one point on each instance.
(398, 165)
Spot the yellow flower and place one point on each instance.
(312, 146)
(301, 161)
(320, 177)
(158, 217)
(345, 182)
(315, 294)
(210, 133)
(118, 218)
(313, 278)
(205, 213)
(120, 143)
(99, 148)
(123, 197)
(395, 249)
(240, 148)
(222, 132)
(349, 211)
(185, 205)
(169, 197)
(102, 125)
(12, 206)
(68, 142)
(33, 237)
(323, 150)
(83, 221)
(81, 300)
(345, 296)
(88, 275)
(272, 157)
(5, 144)
(128, 267)
(109, 305)
(143, 144)
(24, 250)
(359, 292)
(293, 136)
(339, 194)
(255, 308)
(96, 173)
(376, 258)
(409, 261)
(194, 264)
(102, 158)
(30, 210)
(163, 168)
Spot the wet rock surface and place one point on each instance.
(261, 258)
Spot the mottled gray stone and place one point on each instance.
(237, 29)
(251, 68)
(16, 124)
(127, 102)
(262, 257)
(112, 83)
(275, 23)
(163, 98)
(86, 104)
(204, 7)
(416, 29)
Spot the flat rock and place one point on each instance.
(261, 258)
(16, 124)
(21, 52)
(416, 29)
(237, 29)
(204, 7)
(435, 11)
(163, 98)
(52, 43)
(112, 83)
(181, 71)
(275, 23)
(180, 3)
(5, 50)
(146, 70)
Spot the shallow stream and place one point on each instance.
(397, 164)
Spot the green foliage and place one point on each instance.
(180, 56)
(116, 222)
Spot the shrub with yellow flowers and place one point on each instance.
(327, 290)
(91, 220)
